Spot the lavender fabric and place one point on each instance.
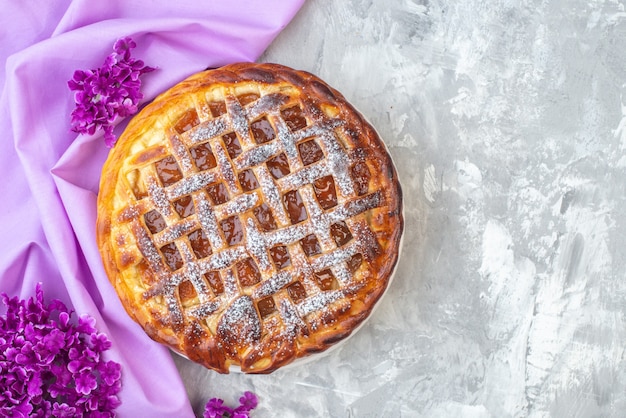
(50, 176)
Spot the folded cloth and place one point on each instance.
(49, 176)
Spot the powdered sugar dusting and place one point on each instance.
(288, 235)
(191, 184)
(339, 163)
(360, 205)
(208, 221)
(335, 257)
(240, 323)
(257, 245)
(147, 248)
(226, 169)
(294, 325)
(230, 283)
(288, 143)
(272, 195)
(319, 302)
(180, 151)
(238, 120)
(273, 284)
(174, 232)
(207, 130)
(194, 275)
(320, 220)
(223, 259)
(267, 104)
(240, 204)
(205, 309)
(158, 197)
(306, 175)
(342, 273)
(318, 129)
(257, 155)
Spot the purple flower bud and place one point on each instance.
(53, 367)
(35, 385)
(86, 324)
(54, 341)
(215, 407)
(85, 382)
(110, 372)
(99, 342)
(114, 87)
(63, 410)
(64, 320)
(248, 401)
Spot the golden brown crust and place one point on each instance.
(249, 216)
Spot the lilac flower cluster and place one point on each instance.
(215, 408)
(108, 92)
(50, 366)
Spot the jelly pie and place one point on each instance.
(249, 217)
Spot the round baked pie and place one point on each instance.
(248, 217)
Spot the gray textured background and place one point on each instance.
(507, 123)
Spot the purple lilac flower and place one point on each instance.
(247, 402)
(215, 408)
(111, 91)
(51, 366)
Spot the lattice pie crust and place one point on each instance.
(248, 217)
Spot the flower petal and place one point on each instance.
(114, 88)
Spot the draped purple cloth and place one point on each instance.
(49, 175)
